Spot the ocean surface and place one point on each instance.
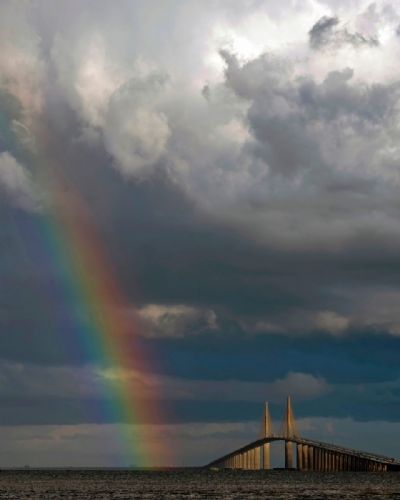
(193, 484)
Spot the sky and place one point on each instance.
(238, 165)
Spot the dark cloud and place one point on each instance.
(327, 33)
(321, 32)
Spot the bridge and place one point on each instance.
(310, 455)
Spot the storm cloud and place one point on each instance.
(241, 172)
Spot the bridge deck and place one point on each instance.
(317, 444)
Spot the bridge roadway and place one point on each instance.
(388, 462)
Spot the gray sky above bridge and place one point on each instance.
(240, 161)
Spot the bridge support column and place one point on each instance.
(245, 460)
(288, 455)
(266, 456)
(257, 461)
(257, 458)
(310, 458)
(252, 459)
(299, 456)
(305, 457)
(321, 464)
(317, 459)
(254, 455)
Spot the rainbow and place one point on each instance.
(96, 303)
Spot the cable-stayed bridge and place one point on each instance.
(311, 455)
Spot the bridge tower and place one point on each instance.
(289, 431)
(266, 432)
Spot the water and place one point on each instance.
(194, 484)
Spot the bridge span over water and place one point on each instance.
(311, 455)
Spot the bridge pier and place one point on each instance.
(266, 456)
(320, 459)
(316, 459)
(310, 458)
(258, 458)
(305, 457)
(299, 456)
(257, 462)
(288, 455)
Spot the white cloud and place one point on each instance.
(135, 131)
(22, 68)
(176, 320)
(16, 183)
(331, 322)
